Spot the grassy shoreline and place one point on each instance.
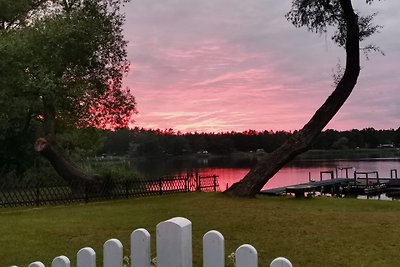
(310, 232)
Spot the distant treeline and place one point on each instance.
(158, 143)
(18, 160)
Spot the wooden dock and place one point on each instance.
(310, 187)
(361, 183)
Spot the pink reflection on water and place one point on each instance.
(228, 176)
(300, 173)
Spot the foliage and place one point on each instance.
(158, 143)
(88, 146)
(35, 170)
(73, 60)
(321, 16)
(112, 171)
(127, 262)
(82, 143)
(16, 150)
(318, 16)
(61, 69)
(117, 142)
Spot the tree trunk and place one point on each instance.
(48, 147)
(300, 142)
(68, 170)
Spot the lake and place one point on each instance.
(231, 170)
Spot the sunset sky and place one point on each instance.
(223, 65)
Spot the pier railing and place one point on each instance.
(361, 183)
(173, 248)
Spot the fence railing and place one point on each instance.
(174, 248)
(39, 193)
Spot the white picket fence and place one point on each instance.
(174, 249)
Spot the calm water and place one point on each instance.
(232, 170)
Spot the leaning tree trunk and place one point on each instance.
(67, 169)
(48, 147)
(301, 141)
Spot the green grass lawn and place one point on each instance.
(309, 232)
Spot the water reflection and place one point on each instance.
(231, 170)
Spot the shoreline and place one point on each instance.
(313, 154)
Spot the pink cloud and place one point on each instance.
(239, 66)
(233, 99)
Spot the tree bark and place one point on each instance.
(68, 170)
(301, 141)
(48, 147)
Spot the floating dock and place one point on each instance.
(362, 183)
(310, 187)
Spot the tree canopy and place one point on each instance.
(67, 59)
(318, 16)
(61, 64)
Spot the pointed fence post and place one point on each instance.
(86, 257)
(174, 243)
(36, 264)
(198, 182)
(140, 248)
(281, 262)
(213, 249)
(160, 185)
(187, 182)
(113, 253)
(61, 261)
(246, 256)
(215, 183)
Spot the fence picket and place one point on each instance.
(246, 256)
(86, 257)
(61, 261)
(36, 264)
(213, 249)
(174, 243)
(281, 262)
(140, 248)
(113, 253)
(174, 248)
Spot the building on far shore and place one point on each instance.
(386, 145)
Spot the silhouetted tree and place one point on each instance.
(351, 28)
(397, 137)
(356, 138)
(370, 137)
(326, 139)
(62, 63)
(117, 142)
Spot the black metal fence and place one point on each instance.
(46, 193)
